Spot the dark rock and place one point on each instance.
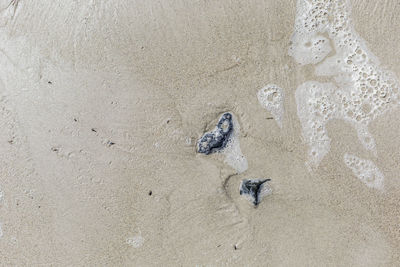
(253, 188)
(217, 140)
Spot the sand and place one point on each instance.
(102, 103)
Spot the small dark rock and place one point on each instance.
(217, 140)
(253, 189)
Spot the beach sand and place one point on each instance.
(102, 104)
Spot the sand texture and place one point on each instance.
(102, 104)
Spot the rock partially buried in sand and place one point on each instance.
(255, 189)
(217, 140)
(224, 139)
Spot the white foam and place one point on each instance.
(1, 231)
(271, 98)
(309, 49)
(314, 108)
(364, 89)
(233, 154)
(308, 45)
(135, 241)
(365, 170)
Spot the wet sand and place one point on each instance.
(102, 104)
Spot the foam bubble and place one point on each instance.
(135, 241)
(271, 98)
(365, 170)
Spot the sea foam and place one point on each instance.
(360, 91)
(271, 98)
(365, 170)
